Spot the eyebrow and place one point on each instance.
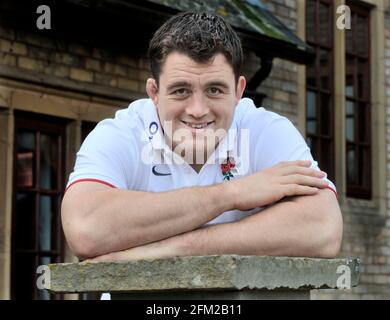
(177, 85)
(181, 84)
(222, 84)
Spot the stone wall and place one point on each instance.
(281, 86)
(73, 61)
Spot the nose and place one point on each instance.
(197, 107)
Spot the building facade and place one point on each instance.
(54, 87)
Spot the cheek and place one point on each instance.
(166, 112)
(174, 110)
(224, 114)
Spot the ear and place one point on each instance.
(152, 90)
(241, 84)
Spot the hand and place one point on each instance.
(294, 178)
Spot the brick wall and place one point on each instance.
(281, 86)
(73, 61)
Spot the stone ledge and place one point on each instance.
(201, 273)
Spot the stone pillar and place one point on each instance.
(206, 277)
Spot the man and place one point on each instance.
(151, 183)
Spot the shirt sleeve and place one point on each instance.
(108, 155)
(280, 141)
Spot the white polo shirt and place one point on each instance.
(129, 152)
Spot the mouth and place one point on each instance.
(197, 126)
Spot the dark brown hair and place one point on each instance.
(200, 35)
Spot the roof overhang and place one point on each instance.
(258, 28)
(129, 24)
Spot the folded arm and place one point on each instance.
(309, 226)
(98, 220)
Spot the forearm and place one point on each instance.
(290, 228)
(115, 219)
(286, 229)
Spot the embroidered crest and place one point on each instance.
(153, 128)
(228, 168)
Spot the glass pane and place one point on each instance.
(313, 144)
(363, 122)
(311, 119)
(26, 140)
(349, 77)
(351, 165)
(24, 276)
(49, 161)
(25, 221)
(25, 155)
(362, 35)
(309, 142)
(47, 214)
(325, 69)
(310, 21)
(312, 126)
(363, 79)
(43, 294)
(326, 114)
(364, 164)
(311, 104)
(311, 75)
(350, 121)
(325, 24)
(349, 37)
(326, 158)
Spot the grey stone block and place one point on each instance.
(202, 273)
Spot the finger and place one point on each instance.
(303, 171)
(298, 190)
(304, 181)
(301, 163)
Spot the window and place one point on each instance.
(357, 113)
(319, 84)
(37, 237)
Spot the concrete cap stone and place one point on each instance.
(198, 273)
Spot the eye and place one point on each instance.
(182, 92)
(214, 91)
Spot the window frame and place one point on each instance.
(358, 190)
(38, 123)
(318, 90)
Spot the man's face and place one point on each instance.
(195, 99)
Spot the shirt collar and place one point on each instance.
(153, 130)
